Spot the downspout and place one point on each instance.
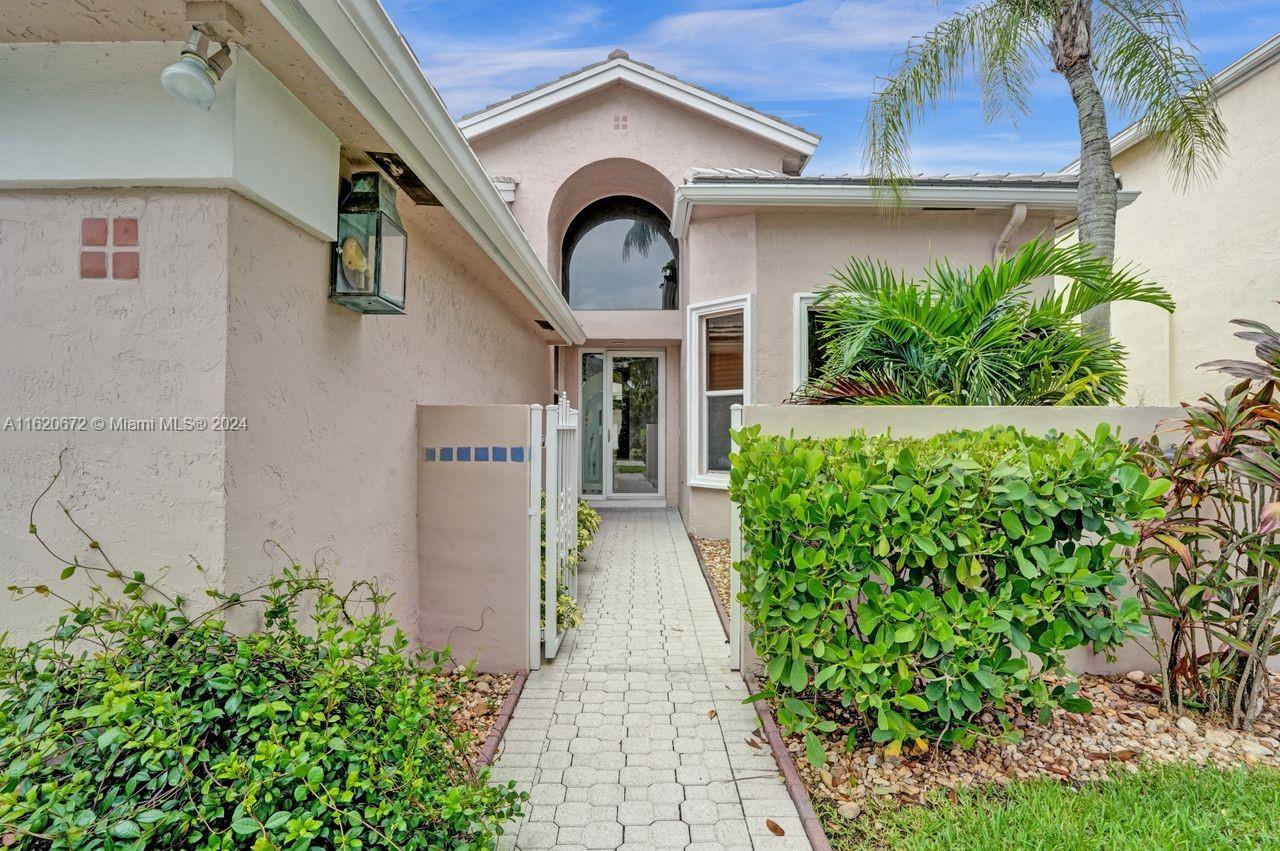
(1016, 218)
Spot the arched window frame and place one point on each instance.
(615, 207)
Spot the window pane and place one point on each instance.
(817, 354)
(592, 423)
(718, 430)
(619, 255)
(724, 352)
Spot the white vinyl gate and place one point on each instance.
(554, 499)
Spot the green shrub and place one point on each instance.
(135, 725)
(914, 580)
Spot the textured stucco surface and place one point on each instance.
(545, 149)
(327, 468)
(151, 347)
(94, 115)
(775, 253)
(231, 316)
(1214, 247)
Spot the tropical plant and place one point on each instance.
(932, 587)
(965, 336)
(1134, 52)
(1209, 572)
(138, 722)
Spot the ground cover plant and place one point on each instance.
(140, 721)
(1185, 807)
(922, 590)
(974, 336)
(568, 611)
(1209, 571)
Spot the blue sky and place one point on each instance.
(813, 62)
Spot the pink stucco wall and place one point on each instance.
(230, 316)
(328, 466)
(776, 252)
(544, 150)
(155, 346)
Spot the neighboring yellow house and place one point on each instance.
(1213, 245)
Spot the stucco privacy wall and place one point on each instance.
(327, 466)
(543, 150)
(96, 115)
(778, 252)
(154, 347)
(923, 421)
(478, 593)
(1213, 246)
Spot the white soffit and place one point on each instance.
(624, 70)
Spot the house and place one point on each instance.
(717, 310)
(1212, 244)
(158, 260)
(166, 315)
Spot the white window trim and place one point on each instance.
(696, 313)
(800, 337)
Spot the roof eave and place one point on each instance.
(689, 195)
(595, 77)
(360, 49)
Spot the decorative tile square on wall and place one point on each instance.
(98, 236)
(473, 453)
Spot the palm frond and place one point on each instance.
(970, 336)
(990, 38)
(1146, 67)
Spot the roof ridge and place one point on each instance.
(620, 56)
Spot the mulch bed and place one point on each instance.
(715, 555)
(1125, 727)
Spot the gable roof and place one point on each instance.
(1237, 73)
(620, 67)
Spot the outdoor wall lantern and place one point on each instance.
(370, 256)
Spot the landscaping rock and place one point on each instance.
(1135, 676)
(1125, 731)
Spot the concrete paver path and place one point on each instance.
(636, 735)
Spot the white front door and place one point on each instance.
(623, 419)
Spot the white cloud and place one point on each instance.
(981, 153)
(804, 50)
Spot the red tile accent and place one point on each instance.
(93, 231)
(93, 264)
(124, 265)
(124, 231)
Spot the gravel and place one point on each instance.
(481, 699)
(1125, 728)
(715, 555)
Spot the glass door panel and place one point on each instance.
(592, 408)
(634, 439)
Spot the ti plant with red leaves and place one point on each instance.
(1209, 571)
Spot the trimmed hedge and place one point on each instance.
(916, 580)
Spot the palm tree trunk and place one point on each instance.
(1072, 50)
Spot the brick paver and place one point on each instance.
(635, 736)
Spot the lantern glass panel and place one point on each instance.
(393, 250)
(357, 253)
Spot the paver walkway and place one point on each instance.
(635, 736)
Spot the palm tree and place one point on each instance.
(1135, 52)
(965, 336)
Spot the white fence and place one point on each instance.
(553, 511)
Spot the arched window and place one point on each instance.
(619, 255)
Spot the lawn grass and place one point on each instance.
(1171, 807)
